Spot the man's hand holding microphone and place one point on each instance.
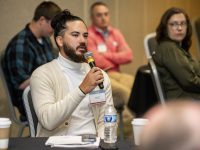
(94, 76)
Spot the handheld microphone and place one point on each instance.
(90, 60)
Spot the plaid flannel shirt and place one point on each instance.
(22, 56)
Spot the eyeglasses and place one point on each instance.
(175, 25)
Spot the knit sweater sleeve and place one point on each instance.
(123, 53)
(52, 101)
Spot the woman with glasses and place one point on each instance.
(179, 72)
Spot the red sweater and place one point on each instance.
(110, 52)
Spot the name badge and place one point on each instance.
(115, 44)
(97, 97)
(101, 48)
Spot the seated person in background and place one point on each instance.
(29, 49)
(179, 72)
(110, 50)
(175, 127)
(62, 89)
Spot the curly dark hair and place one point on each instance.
(58, 23)
(161, 31)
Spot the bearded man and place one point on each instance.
(64, 90)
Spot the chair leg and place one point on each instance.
(121, 126)
(20, 131)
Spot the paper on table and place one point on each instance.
(71, 141)
(64, 140)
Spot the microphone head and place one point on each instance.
(88, 54)
(89, 57)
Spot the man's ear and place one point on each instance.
(41, 20)
(59, 40)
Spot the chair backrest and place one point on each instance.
(157, 82)
(196, 27)
(12, 111)
(150, 44)
(30, 111)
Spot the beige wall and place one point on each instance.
(135, 18)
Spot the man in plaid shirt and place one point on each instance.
(29, 49)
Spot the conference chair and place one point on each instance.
(156, 81)
(13, 113)
(30, 111)
(196, 27)
(150, 44)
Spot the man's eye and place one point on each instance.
(106, 14)
(99, 15)
(75, 35)
(85, 36)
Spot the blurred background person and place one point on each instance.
(179, 72)
(27, 50)
(110, 50)
(175, 127)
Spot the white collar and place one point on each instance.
(103, 33)
(66, 63)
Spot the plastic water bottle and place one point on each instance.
(110, 124)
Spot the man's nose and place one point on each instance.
(83, 39)
(104, 17)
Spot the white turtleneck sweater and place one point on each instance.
(82, 120)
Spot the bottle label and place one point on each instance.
(110, 118)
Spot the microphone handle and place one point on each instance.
(101, 86)
(92, 64)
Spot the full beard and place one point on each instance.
(71, 53)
